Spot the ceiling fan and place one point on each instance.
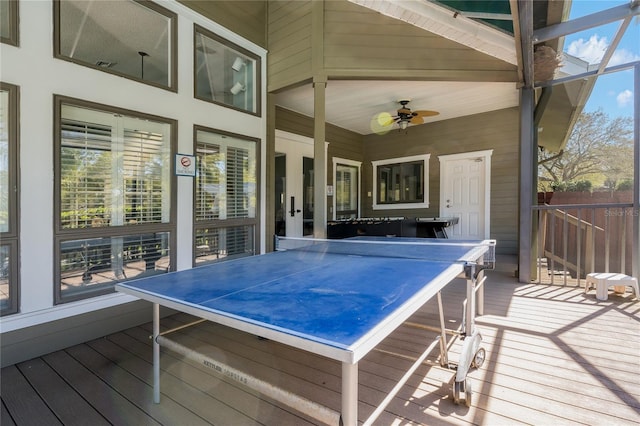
(383, 122)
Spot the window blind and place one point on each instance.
(237, 194)
(208, 179)
(85, 163)
(142, 173)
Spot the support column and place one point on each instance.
(270, 176)
(319, 158)
(156, 353)
(636, 173)
(528, 150)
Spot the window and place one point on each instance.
(134, 39)
(9, 22)
(9, 196)
(401, 183)
(114, 199)
(226, 196)
(226, 74)
(347, 188)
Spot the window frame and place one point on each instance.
(14, 24)
(225, 223)
(173, 46)
(198, 29)
(401, 160)
(351, 163)
(11, 238)
(64, 234)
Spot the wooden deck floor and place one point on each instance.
(554, 356)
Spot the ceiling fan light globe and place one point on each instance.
(384, 119)
(378, 126)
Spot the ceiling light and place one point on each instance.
(238, 64)
(237, 88)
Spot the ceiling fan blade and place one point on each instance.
(417, 120)
(425, 113)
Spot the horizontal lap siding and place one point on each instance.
(358, 38)
(246, 18)
(498, 130)
(289, 42)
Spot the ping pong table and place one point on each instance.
(334, 298)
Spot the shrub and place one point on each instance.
(625, 185)
(579, 186)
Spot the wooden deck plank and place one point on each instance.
(246, 401)
(61, 398)
(554, 356)
(113, 406)
(369, 389)
(288, 363)
(133, 388)
(324, 371)
(5, 417)
(174, 391)
(22, 401)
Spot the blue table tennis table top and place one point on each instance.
(312, 297)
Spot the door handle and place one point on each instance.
(293, 210)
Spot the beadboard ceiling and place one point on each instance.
(352, 104)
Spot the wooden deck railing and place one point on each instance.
(576, 239)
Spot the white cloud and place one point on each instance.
(590, 50)
(624, 98)
(593, 50)
(623, 56)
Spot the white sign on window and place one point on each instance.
(185, 165)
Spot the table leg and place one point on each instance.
(349, 394)
(156, 353)
(471, 304)
(480, 295)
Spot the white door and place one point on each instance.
(464, 193)
(294, 185)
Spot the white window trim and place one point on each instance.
(425, 159)
(358, 164)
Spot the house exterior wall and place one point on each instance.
(358, 38)
(340, 39)
(497, 131)
(289, 28)
(246, 18)
(40, 76)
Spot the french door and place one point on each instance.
(294, 185)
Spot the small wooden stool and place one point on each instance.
(603, 280)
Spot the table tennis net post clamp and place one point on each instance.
(473, 269)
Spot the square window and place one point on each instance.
(225, 73)
(401, 183)
(130, 38)
(114, 199)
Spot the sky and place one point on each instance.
(613, 92)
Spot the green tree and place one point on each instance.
(598, 145)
